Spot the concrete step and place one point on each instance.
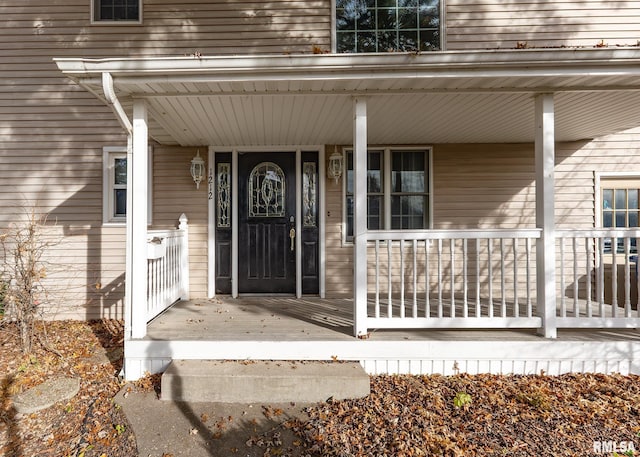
(262, 381)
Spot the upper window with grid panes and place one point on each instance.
(117, 11)
(388, 25)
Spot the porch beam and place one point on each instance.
(360, 216)
(545, 214)
(137, 177)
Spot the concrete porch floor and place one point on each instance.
(286, 328)
(315, 319)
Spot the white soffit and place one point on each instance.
(436, 98)
(392, 119)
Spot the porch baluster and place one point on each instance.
(627, 279)
(576, 282)
(440, 310)
(478, 304)
(614, 277)
(503, 288)
(490, 255)
(151, 285)
(427, 287)
(589, 248)
(162, 275)
(516, 306)
(377, 299)
(600, 285)
(637, 284)
(465, 281)
(415, 279)
(528, 266)
(563, 305)
(389, 283)
(452, 278)
(402, 310)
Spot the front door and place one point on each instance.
(266, 223)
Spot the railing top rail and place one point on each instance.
(437, 234)
(598, 233)
(164, 233)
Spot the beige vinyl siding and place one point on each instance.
(174, 193)
(338, 256)
(493, 186)
(52, 132)
(491, 24)
(172, 28)
(483, 186)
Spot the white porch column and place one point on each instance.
(359, 216)
(234, 223)
(545, 214)
(137, 172)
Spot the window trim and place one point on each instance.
(95, 21)
(386, 185)
(334, 29)
(605, 176)
(109, 154)
(600, 180)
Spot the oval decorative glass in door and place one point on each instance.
(266, 191)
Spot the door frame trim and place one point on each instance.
(211, 191)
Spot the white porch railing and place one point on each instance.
(487, 279)
(167, 268)
(598, 278)
(452, 279)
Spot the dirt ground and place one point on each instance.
(462, 415)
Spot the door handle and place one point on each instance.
(292, 235)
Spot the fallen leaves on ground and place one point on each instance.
(462, 415)
(501, 416)
(87, 425)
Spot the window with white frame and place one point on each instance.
(398, 189)
(388, 25)
(117, 11)
(620, 207)
(114, 187)
(115, 184)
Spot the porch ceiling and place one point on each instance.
(450, 97)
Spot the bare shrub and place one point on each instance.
(22, 269)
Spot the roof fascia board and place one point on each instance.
(408, 73)
(503, 62)
(389, 92)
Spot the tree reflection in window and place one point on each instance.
(266, 191)
(387, 25)
(309, 194)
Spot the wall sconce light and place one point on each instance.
(197, 169)
(334, 168)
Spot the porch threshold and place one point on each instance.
(315, 329)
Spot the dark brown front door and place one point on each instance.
(266, 223)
